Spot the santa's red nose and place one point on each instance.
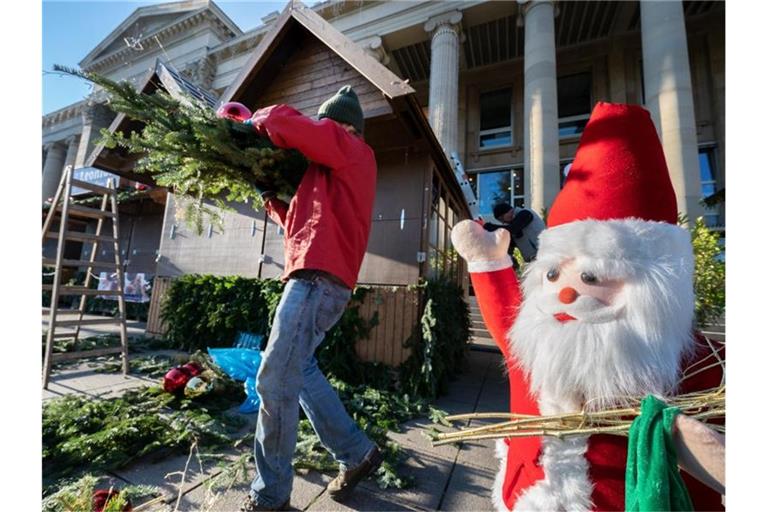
(568, 295)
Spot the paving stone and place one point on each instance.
(479, 453)
(412, 439)
(87, 381)
(363, 500)
(493, 398)
(167, 473)
(306, 488)
(428, 469)
(470, 488)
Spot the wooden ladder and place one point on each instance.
(62, 205)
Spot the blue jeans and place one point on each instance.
(289, 377)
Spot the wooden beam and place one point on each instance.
(389, 83)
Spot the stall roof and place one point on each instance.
(161, 77)
(280, 42)
(269, 57)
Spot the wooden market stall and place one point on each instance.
(302, 61)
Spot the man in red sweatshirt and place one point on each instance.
(326, 226)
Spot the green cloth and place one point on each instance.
(343, 107)
(653, 480)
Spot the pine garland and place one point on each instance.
(195, 154)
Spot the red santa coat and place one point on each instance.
(499, 296)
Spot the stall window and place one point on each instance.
(442, 258)
(574, 103)
(496, 119)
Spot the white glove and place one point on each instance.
(484, 251)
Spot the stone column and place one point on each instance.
(54, 164)
(669, 97)
(541, 141)
(95, 117)
(444, 78)
(72, 147)
(374, 47)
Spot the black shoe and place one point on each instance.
(342, 486)
(251, 506)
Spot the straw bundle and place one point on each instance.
(705, 406)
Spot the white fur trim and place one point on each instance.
(566, 484)
(475, 267)
(619, 245)
(498, 483)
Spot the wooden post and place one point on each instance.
(67, 189)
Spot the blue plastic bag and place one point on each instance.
(241, 365)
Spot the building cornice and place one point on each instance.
(149, 41)
(64, 114)
(238, 45)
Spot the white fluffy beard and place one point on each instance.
(609, 355)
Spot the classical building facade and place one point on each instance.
(506, 85)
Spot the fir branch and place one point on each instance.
(186, 148)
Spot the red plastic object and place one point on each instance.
(193, 368)
(234, 111)
(102, 496)
(176, 378)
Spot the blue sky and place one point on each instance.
(71, 29)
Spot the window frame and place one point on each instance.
(711, 148)
(578, 117)
(474, 177)
(503, 129)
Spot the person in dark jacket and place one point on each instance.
(327, 224)
(524, 226)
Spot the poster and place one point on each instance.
(136, 286)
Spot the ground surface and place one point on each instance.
(446, 478)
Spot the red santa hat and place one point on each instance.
(617, 203)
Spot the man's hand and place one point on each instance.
(700, 452)
(475, 244)
(257, 121)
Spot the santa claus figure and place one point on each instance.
(607, 315)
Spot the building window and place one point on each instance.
(443, 260)
(708, 176)
(496, 119)
(565, 168)
(502, 186)
(574, 103)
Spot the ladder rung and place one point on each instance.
(85, 211)
(60, 311)
(64, 335)
(64, 356)
(81, 263)
(79, 236)
(88, 321)
(80, 290)
(90, 186)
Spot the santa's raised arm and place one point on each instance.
(605, 314)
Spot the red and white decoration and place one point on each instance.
(605, 313)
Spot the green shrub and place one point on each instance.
(439, 351)
(208, 311)
(709, 274)
(205, 310)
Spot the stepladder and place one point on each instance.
(66, 314)
(466, 188)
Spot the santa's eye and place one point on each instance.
(552, 275)
(588, 278)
